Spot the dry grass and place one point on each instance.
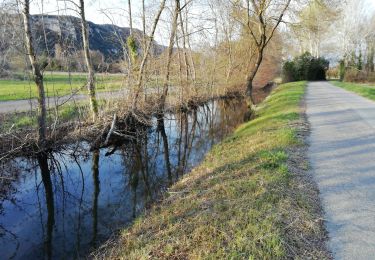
(251, 198)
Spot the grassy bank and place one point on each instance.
(248, 200)
(362, 89)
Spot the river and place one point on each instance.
(66, 203)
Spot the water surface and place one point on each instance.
(64, 204)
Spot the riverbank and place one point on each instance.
(250, 198)
(71, 122)
(94, 193)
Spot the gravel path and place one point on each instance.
(342, 156)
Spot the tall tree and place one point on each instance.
(90, 69)
(169, 56)
(130, 17)
(184, 51)
(313, 25)
(37, 72)
(132, 45)
(143, 25)
(262, 21)
(146, 54)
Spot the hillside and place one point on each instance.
(65, 32)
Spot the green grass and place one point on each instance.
(56, 84)
(240, 203)
(362, 89)
(27, 120)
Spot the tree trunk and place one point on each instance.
(90, 69)
(145, 57)
(37, 74)
(184, 50)
(193, 71)
(250, 78)
(130, 41)
(169, 57)
(179, 68)
(130, 17)
(143, 25)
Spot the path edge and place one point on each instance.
(316, 245)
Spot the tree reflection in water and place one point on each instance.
(64, 204)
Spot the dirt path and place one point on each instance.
(342, 156)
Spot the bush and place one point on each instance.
(289, 72)
(333, 73)
(355, 75)
(305, 67)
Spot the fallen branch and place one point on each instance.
(123, 135)
(111, 129)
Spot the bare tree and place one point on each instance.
(145, 56)
(131, 44)
(193, 70)
(90, 69)
(186, 62)
(143, 25)
(37, 73)
(266, 22)
(169, 57)
(313, 26)
(130, 17)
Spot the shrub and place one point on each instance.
(289, 71)
(355, 75)
(132, 47)
(305, 67)
(333, 73)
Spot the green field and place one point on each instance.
(242, 202)
(27, 121)
(56, 84)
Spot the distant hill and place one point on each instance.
(53, 34)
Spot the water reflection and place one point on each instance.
(96, 183)
(64, 204)
(46, 180)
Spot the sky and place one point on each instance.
(116, 12)
(104, 12)
(95, 9)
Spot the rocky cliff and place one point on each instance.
(56, 34)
